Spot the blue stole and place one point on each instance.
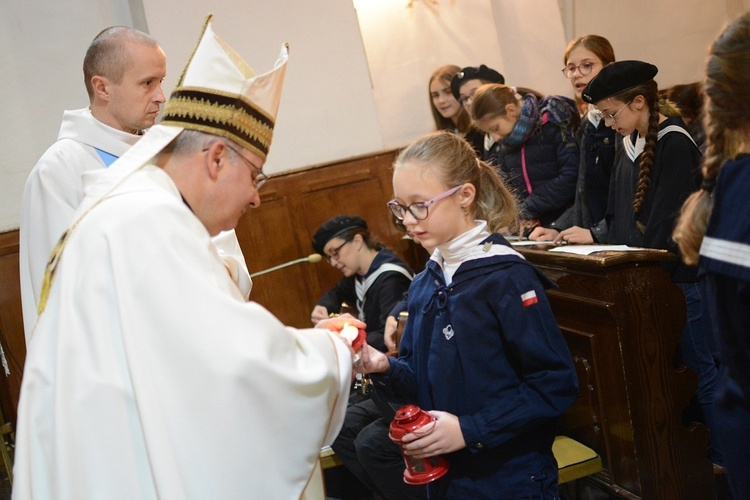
(107, 158)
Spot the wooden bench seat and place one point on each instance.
(574, 460)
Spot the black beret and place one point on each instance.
(488, 75)
(334, 227)
(617, 77)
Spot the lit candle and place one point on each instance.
(354, 335)
(349, 332)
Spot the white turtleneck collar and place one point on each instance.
(465, 247)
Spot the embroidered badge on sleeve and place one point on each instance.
(529, 298)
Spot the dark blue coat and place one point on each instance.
(675, 174)
(597, 156)
(725, 265)
(552, 159)
(472, 348)
(725, 262)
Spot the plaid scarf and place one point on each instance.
(558, 111)
(526, 123)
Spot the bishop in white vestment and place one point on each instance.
(149, 376)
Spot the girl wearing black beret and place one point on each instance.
(655, 170)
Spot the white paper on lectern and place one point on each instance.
(589, 249)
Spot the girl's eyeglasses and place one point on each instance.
(420, 209)
(613, 118)
(583, 68)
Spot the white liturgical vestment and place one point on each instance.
(149, 376)
(53, 191)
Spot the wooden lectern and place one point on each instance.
(622, 319)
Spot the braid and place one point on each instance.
(726, 109)
(647, 157)
(692, 224)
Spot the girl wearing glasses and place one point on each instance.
(714, 232)
(538, 153)
(374, 277)
(655, 170)
(481, 350)
(584, 58)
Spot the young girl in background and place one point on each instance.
(655, 169)
(584, 58)
(481, 350)
(447, 112)
(538, 154)
(463, 85)
(725, 249)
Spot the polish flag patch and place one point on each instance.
(529, 298)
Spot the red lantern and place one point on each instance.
(408, 419)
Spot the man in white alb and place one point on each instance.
(149, 376)
(123, 72)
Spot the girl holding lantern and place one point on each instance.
(482, 352)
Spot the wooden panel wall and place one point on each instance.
(293, 206)
(11, 325)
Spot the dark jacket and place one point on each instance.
(552, 159)
(597, 156)
(474, 349)
(674, 176)
(380, 298)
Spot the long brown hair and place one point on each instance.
(650, 93)
(727, 111)
(599, 45)
(463, 121)
(491, 100)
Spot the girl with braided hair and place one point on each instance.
(714, 231)
(655, 170)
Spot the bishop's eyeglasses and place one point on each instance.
(260, 177)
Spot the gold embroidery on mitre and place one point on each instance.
(223, 114)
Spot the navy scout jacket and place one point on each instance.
(487, 348)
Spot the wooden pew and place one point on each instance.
(622, 318)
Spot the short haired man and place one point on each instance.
(123, 73)
(149, 375)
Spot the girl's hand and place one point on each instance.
(526, 226)
(576, 235)
(389, 334)
(443, 437)
(372, 361)
(543, 234)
